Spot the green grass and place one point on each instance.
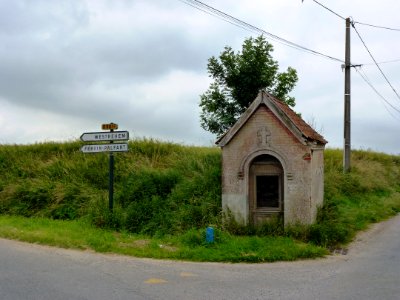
(190, 246)
(167, 194)
(369, 193)
(159, 187)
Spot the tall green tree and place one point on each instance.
(238, 77)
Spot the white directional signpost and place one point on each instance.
(105, 148)
(105, 136)
(109, 147)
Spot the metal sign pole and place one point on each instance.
(111, 181)
(110, 148)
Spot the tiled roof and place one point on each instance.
(288, 117)
(301, 125)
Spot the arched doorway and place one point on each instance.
(265, 188)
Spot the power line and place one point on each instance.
(244, 25)
(365, 78)
(366, 24)
(370, 54)
(361, 23)
(219, 16)
(383, 62)
(327, 8)
(376, 26)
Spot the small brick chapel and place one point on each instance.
(272, 165)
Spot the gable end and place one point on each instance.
(294, 123)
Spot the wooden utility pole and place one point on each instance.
(347, 66)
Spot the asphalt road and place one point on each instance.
(370, 270)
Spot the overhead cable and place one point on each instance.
(361, 23)
(335, 13)
(377, 65)
(383, 62)
(376, 26)
(244, 25)
(365, 78)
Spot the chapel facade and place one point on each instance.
(272, 165)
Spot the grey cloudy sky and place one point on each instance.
(66, 67)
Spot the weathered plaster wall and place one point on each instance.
(264, 134)
(317, 181)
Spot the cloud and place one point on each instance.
(64, 71)
(41, 18)
(68, 66)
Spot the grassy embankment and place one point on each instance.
(165, 197)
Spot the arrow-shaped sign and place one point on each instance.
(105, 136)
(105, 148)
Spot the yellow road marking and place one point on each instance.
(155, 281)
